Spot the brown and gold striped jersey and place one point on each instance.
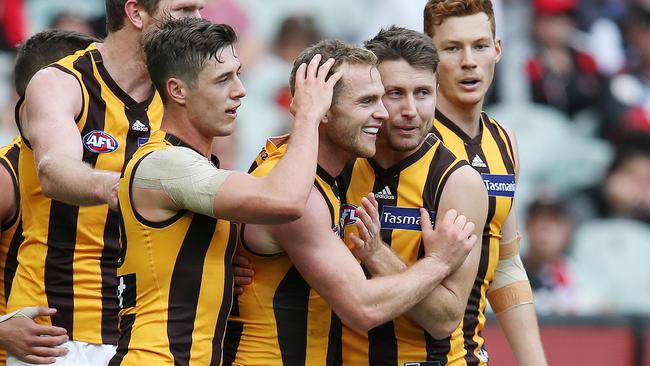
(11, 235)
(68, 259)
(417, 181)
(175, 280)
(491, 154)
(279, 319)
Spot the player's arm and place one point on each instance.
(53, 99)
(174, 179)
(441, 310)
(8, 201)
(510, 294)
(328, 266)
(31, 342)
(280, 196)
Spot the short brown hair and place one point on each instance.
(43, 49)
(180, 48)
(436, 11)
(339, 51)
(396, 43)
(115, 12)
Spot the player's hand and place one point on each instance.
(31, 342)
(451, 241)
(111, 183)
(313, 90)
(243, 271)
(368, 242)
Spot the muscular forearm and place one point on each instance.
(298, 163)
(438, 313)
(74, 182)
(386, 297)
(520, 327)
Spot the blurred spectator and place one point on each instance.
(71, 22)
(268, 87)
(632, 89)
(12, 23)
(549, 229)
(560, 74)
(625, 191)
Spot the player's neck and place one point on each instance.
(467, 117)
(331, 157)
(175, 121)
(387, 157)
(123, 58)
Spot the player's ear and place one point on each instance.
(497, 48)
(132, 14)
(176, 90)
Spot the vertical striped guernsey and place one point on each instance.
(175, 282)
(68, 260)
(417, 181)
(12, 232)
(491, 154)
(280, 320)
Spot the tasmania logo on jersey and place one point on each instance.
(500, 185)
(100, 142)
(405, 218)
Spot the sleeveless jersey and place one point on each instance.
(68, 260)
(175, 281)
(417, 181)
(491, 154)
(12, 232)
(279, 319)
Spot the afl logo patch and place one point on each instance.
(100, 142)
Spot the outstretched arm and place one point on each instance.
(331, 269)
(53, 99)
(442, 309)
(511, 296)
(280, 196)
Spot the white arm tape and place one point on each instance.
(190, 180)
(28, 312)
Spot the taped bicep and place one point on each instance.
(189, 179)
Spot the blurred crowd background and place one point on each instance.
(573, 83)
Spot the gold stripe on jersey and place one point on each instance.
(280, 319)
(11, 235)
(401, 190)
(175, 280)
(69, 257)
(491, 154)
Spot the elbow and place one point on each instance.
(361, 318)
(444, 329)
(45, 178)
(288, 210)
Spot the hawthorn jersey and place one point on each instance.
(491, 154)
(417, 181)
(175, 280)
(11, 235)
(280, 320)
(68, 259)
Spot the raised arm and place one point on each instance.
(331, 269)
(281, 195)
(511, 296)
(442, 309)
(53, 100)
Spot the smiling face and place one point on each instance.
(468, 54)
(357, 111)
(410, 100)
(213, 101)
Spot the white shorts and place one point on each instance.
(79, 354)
